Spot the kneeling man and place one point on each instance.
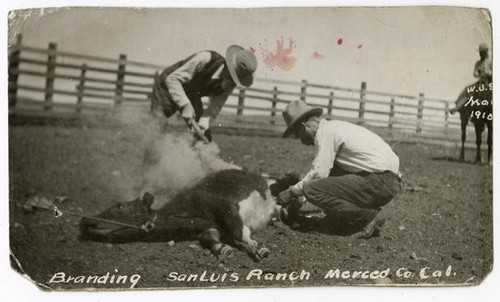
(353, 175)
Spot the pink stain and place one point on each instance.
(317, 56)
(282, 58)
(339, 41)
(360, 45)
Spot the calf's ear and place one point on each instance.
(148, 199)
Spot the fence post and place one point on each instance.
(51, 70)
(152, 106)
(273, 105)
(420, 112)
(446, 118)
(241, 101)
(81, 88)
(14, 60)
(391, 113)
(120, 79)
(303, 90)
(330, 103)
(361, 113)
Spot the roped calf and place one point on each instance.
(221, 211)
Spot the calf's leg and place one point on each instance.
(240, 235)
(211, 239)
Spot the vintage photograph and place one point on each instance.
(176, 148)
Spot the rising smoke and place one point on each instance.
(173, 158)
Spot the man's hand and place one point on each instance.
(187, 112)
(285, 197)
(204, 123)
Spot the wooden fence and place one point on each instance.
(51, 80)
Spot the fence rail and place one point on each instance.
(41, 77)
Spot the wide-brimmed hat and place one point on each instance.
(296, 112)
(242, 64)
(483, 47)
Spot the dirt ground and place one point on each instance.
(439, 229)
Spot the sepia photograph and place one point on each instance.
(179, 148)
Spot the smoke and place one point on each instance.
(173, 158)
(176, 161)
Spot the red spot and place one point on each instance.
(360, 45)
(317, 56)
(339, 41)
(252, 49)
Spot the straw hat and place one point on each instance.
(483, 47)
(296, 112)
(242, 64)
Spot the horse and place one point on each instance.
(221, 211)
(475, 103)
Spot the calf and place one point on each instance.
(224, 207)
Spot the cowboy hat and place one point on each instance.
(242, 64)
(483, 47)
(296, 112)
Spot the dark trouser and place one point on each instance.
(351, 201)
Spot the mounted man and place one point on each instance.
(474, 104)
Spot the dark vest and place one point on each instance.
(201, 83)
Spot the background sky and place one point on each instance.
(401, 50)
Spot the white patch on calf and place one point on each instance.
(246, 237)
(255, 211)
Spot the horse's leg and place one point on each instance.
(464, 120)
(489, 125)
(479, 127)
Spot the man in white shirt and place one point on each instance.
(354, 172)
(181, 86)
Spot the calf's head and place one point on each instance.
(290, 212)
(121, 222)
(283, 183)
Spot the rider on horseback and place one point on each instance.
(483, 70)
(484, 67)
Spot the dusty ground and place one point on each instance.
(443, 219)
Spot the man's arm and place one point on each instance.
(476, 69)
(488, 70)
(216, 104)
(184, 74)
(328, 145)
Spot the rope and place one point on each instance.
(58, 212)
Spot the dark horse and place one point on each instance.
(475, 104)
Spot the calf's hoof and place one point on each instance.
(262, 253)
(223, 251)
(226, 251)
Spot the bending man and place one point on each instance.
(181, 86)
(353, 175)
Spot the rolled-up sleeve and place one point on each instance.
(327, 144)
(184, 74)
